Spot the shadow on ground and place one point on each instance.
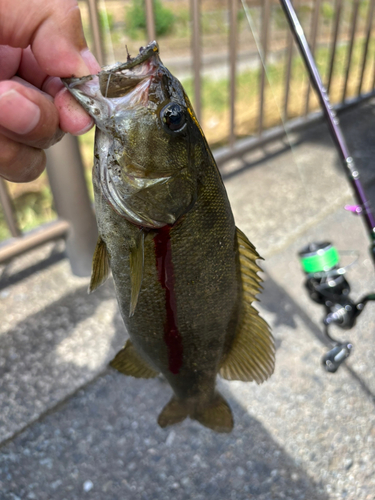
(105, 439)
(46, 357)
(286, 310)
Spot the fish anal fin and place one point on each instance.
(174, 412)
(216, 416)
(129, 362)
(252, 353)
(136, 270)
(100, 266)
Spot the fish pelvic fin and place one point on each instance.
(136, 270)
(252, 354)
(129, 362)
(100, 266)
(217, 415)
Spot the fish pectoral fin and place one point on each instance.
(136, 270)
(216, 416)
(173, 412)
(252, 353)
(100, 266)
(129, 362)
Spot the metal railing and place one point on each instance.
(76, 220)
(65, 171)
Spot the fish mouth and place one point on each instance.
(109, 97)
(145, 53)
(119, 79)
(120, 85)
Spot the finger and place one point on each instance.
(20, 163)
(52, 28)
(27, 115)
(30, 70)
(54, 31)
(73, 119)
(10, 60)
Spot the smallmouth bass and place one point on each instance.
(185, 276)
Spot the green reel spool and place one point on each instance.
(319, 257)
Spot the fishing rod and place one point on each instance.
(325, 282)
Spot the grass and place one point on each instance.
(215, 93)
(33, 207)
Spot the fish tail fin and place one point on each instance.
(217, 415)
(173, 412)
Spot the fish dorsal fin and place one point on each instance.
(129, 362)
(136, 270)
(252, 353)
(100, 266)
(216, 416)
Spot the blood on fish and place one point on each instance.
(164, 266)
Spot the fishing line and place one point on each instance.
(271, 86)
(107, 87)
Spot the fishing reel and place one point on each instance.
(327, 285)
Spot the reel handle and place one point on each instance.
(335, 357)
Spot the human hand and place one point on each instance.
(40, 41)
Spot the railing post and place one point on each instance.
(96, 32)
(150, 21)
(351, 45)
(232, 64)
(288, 74)
(197, 57)
(337, 10)
(365, 50)
(72, 202)
(313, 36)
(266, 13)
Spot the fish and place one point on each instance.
(185, 276)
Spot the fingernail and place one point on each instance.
(85, 129)
(90, 61)
(17, 113)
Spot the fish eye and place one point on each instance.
(173, 117)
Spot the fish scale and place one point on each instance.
(185, 276)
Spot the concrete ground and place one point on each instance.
(71, 428)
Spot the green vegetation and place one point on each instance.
(32, 209)
(364, 9)
(106, 21)
(214, 22)
(182, 23)
(279, 17)
(327, 11)
(136, 19)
